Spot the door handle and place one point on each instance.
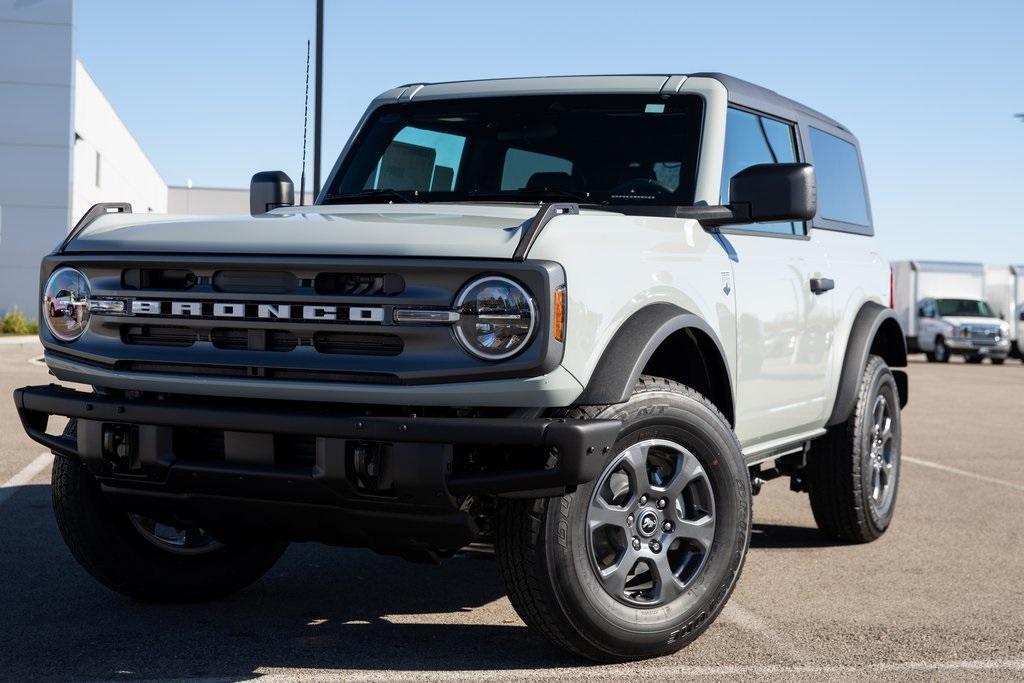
(820, 285)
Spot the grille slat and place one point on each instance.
(363, 344)
(154, 335)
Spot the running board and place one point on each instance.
(777, 448)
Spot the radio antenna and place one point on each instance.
(305, 125)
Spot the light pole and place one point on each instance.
(318, 92)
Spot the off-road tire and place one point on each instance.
(541, 544)
(838, 466)
(109, 547)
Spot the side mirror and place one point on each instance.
(269, 190)
(774, 192)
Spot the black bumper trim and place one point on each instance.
(580, 443)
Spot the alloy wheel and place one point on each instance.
(882, 458)
(651, 523)
(178, 540)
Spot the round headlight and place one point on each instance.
(497, 318)
(66, 304)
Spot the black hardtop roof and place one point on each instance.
(757, 97)
(741, 92)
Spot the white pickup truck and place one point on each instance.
(942, 309)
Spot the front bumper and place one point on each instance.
(294, 468)
(999, 349)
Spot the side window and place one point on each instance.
(419, 159)
(752, 139)
(521, 166)
(927, 309)
(841, 194)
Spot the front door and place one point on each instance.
(785, 330)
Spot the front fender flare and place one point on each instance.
(632, 347)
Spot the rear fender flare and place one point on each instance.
(875, 331)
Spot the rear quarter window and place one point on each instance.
(841, 195)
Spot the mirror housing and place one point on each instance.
(775, 192)
(762, 193)
(268, 190)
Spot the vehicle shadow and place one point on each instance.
(319, 607)
(776, 536)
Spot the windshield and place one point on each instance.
(609, 149)
(966, 307)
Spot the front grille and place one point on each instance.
(980, 334)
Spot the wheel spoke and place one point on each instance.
(636, 462)
(701, 530)
(668, 584)
(603, 514)
(614, 577)
(689, 470)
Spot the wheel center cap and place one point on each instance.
(647, 523)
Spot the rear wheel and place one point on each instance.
(998, 361)
(640, 561)
(975, 359)
(853, 471)
(148, 559)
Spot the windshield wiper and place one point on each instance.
(386, 194)
(513, 195)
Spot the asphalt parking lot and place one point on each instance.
(940, 597)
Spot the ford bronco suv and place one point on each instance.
(578, 318)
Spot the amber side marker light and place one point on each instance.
(558, 324)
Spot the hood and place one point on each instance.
(972, 320)
(438, 230)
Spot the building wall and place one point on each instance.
(109, 165)
(36, 111)
(211, 201)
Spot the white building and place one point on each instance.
(37, 79)
(63, 148)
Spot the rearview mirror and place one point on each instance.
(269, 190)
(775, 192)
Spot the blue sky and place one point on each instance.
(213, 90)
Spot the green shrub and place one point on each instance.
(16, 322)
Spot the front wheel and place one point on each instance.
(941, 352)
(639, 562)
(146, 559)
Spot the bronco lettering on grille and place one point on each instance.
(254, 311)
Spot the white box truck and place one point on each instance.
(1004, 291)
(942, 308)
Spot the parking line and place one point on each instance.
(24, 476)
(965, 473)
(658, 670)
